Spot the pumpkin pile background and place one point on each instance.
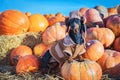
(37, 32)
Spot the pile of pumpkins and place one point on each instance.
(102, 54)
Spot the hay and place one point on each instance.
(9, 42)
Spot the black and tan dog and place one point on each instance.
(72, 45)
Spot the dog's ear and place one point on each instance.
(83, 20)
(67, 23)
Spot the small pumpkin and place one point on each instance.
(28, 63)
(81, 70)
(112, 11)
(94, 50)
(104, 35)
(13, 22)
(113, 23)
(93, 18)
(102, 10)
(57, 18)
(19, 51)
(83, 10)
(38, 23)
(54, 33)
(116, 44)
(40, 49)
(110, 62)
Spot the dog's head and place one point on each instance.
(74, 25)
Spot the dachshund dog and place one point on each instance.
(72, 45)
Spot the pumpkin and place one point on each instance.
(93, 18)
(83, 10)
(28, 63)
(94, 50)
(27, 13)
(57, 18)
(116, 44)
(102, 10)
(113, 22)
(110, 62)
(19, 51)
(54, 33)
(38, 23)
(59, 14)
(104, 35)
(13, 22)
(112, 11)
(81, 70)
(40, 49)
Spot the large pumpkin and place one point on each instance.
(13, 22)
(110, 62)
(113, 22)
(38, 23)
(102, 10)
(19, 51)
(93, 18)
(28, 63)
(94, 50)
(104, 35)
(116, 44)
(54, 33)
(81, 70)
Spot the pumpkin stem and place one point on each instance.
(97, 26)
(70, 59)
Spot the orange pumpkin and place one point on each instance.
(83, 10)
(38, 23)
(13, 22)
(110, 62)
(57, 18)
(40, 49)
(112, 11)
(116, 44)
(113, 22)
(94, 50)
(104, 35)
(54, 33)
(93, 18)
(81, 70)
(19, 51)
(28, 63)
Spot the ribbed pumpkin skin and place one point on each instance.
(84, 70)
(116, 44)
(28, 63)
(110, 62)
(93, 18)
(19, 51)
(54, 33)
(38, 23)
(113, 22)
(13, 22)
(94, 50)
(104, 35)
